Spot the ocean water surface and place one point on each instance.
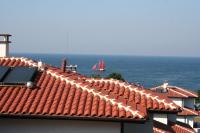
(147, 71)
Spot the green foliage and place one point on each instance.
(115, 76)
(198, 99)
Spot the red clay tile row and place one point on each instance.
(141, 96)
(51, 96)
(172, 127)
(177, 92)
(16, 62)
(55, 97)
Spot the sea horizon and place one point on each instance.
(126, 55)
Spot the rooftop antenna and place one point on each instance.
(70, 67)
(67, 44)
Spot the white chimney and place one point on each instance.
(165, 85)
(4, 45)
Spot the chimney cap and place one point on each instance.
(63, 65)
(165, 85)
(2, 42)
(5, 35)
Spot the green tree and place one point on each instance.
(115, 76)
(198, 98)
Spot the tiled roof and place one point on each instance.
(159, 127)
(177, 92)
(172, 127)
(71, 95)
(130, 94)
(187, 111)
(60, 94)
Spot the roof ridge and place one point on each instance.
(105, 97)
(28, 61)
(179, 93)
(187, 91)
(130, 87)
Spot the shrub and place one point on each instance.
(115, 76)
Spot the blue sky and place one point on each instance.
(122, 27)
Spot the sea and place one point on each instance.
(148, 71)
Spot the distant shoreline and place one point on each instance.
(151, 56)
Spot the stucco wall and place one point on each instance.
(4, 50)
(161, 118)
(178, 101)
(181, 119)
(186, 119)
(57, 126)
(190, 120)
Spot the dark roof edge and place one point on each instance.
(187, 115)
(164, 111)
(5, 35)
(11, 116)
(5, 42)
(182, 97)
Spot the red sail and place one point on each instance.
(101, 65)
(94, 67)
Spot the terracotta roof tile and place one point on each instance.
(69, 94)
(172, 127)
(176, 92)
(118, 90)
(187, 111)
(61, 103)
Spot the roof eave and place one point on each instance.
(186, 115)
(53, 117)
(181, 97)
(164, 111)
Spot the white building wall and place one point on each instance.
(4, 50)
(57, 126)
(181, 119)
(178, 101)
(186, 119)
(161, 118)
(189, 102)
(190, 121)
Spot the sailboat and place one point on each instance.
(100, 67)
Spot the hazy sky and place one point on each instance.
(142, 27)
